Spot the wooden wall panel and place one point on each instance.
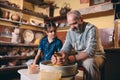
(61, 35)
(106, 36)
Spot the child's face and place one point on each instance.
(51, 32)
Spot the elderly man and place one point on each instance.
(84, 39)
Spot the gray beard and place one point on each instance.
(79, 29)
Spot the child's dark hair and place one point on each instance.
(49, 25)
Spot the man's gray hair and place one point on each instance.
(76, 13)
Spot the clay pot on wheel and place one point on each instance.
(59, 56)
(15, 17)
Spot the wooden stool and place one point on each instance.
(81, 68)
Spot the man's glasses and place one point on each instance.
(73, 23)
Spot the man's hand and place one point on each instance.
(53, 59)
(71, 59)
(59, 59)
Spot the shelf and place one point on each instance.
(42, 4)
(10, 69)
(32, 25)
(20, 23)
(9, 7)
(36, 2)
(7, 20)
(15, 57)
(24, 11)
(3, 43)
(97, 8)
(35, 14)
(55, 18)
(6, 36)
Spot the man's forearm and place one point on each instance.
(81, 56)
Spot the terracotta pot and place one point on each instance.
(6, 14)
(64, 10)
(15, 17)
(33, 69)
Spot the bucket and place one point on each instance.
(50, 74)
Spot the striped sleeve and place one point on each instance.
(91, 41)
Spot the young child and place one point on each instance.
(48, 44)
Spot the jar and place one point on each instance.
(65, 9)
(15, 17)
(6, 14)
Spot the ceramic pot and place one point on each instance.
(6, 14)
(15, 17)
(33, 69)
(64, 10)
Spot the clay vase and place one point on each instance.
(6, 14)
(15, 17)
(65, 9)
